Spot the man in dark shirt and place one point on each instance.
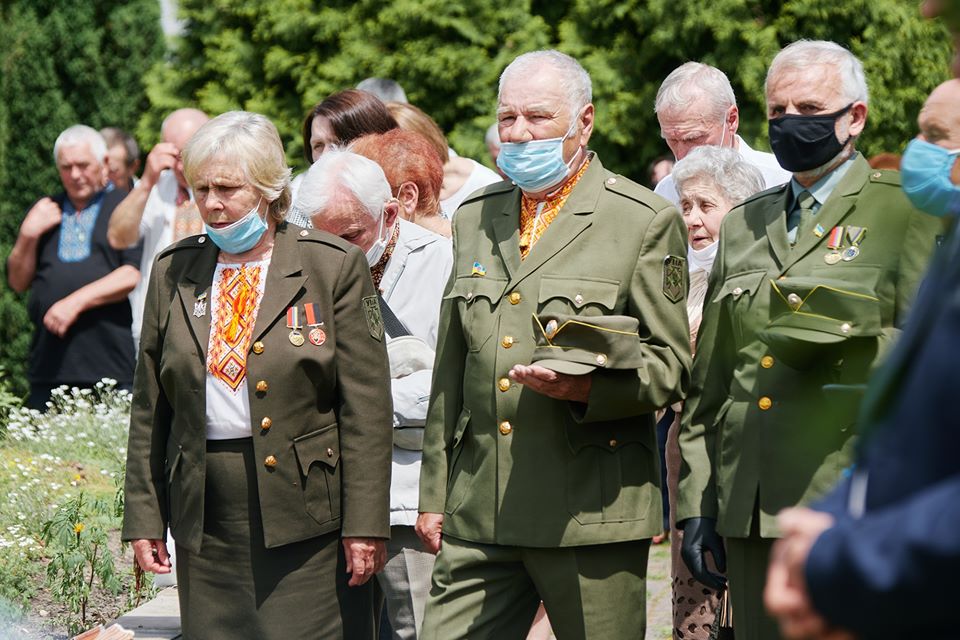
(79, 285)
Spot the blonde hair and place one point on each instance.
(250, 142)
(413, 119)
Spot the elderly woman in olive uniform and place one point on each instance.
(260, 432)
(710, 181)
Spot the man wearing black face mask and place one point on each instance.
(811, 284)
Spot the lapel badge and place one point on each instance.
(478, 270)
(819, 230)
(200, 306)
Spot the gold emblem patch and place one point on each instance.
(674, 278)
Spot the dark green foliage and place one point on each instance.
(61, 62)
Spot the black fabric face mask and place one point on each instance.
(802, 143)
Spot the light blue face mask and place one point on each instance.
(242, 235)
(925, 176)
(536, 165)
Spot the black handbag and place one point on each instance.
(722, 628)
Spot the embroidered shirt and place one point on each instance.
(533, 222)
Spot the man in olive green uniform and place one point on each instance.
(545, 485)
(810, 285)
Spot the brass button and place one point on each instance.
(845, 327)
(505, 428)
(737, 292)
(270, 462)
(329, 452)
(201, 239)
(794, 300)
(503, 384)
(611, 181)
(766, 362)
(507, 342)
(258, 347)
(266, 423)
(578, 299)
(601, 359)
(877, 174)
(469, 295)
(262, 386)
(515, 297)
(613, 442)
(765, 403)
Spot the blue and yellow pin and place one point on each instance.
(478, 270)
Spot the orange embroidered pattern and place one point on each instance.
(232, 328)
(530, 227)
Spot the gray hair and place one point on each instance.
(336, 170)
(384, 88)
(81, 134)
(492, 137)
(735, 177)
(116, 137)
(250, 142)
(809, 53)
(574, 79)
(695, 84)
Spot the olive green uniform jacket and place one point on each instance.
(322, 412)
(772, 415)
(513, 467)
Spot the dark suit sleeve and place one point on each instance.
(365, 411)
(881, 575)
(664, 334)
(446, 400)
(145, 488)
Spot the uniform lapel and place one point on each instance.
(777, 228)
(506, 231)
(833, 211)
(196, 283)
(284, 281)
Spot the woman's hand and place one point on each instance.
(151, 555)
(365, 557)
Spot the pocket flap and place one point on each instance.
(469, 288)
(580, 291)
(322, 445)
(739, 284)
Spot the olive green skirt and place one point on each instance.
(236, 588)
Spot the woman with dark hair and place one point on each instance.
(340, 118)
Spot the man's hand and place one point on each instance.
(162, 156)
(430, 529)
(365, 557)
(151, 555)
(558, 386)
(786, 594)
(60, 317)
(42, 217)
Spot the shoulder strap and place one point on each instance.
(395, 328)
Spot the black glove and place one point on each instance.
(700, 536)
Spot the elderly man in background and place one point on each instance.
(123, 158)
(78, 284)
(695, 106)
(160, 210)
(537, 484)
(348, 195)
(386, 89)
(811, 284)
(870, 556)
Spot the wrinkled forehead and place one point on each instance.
(939, 119)
(539, 87)
(76, 153)
(676, 123)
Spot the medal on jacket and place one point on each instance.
(317, 335)
(855, 236)
(200, 306)
(834, 242)
(294, 324)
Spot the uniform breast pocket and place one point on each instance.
(583, 296)
(318, 454)
(738, 293)
(476, 299)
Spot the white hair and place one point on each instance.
(736, 179)
(803, 54)
(337, 169)
(492, 137)
(694, 84)
(574, 79)
(81, 134)
(384, 88)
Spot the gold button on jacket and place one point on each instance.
(766, 362)
(764, 403)
(262, 386)
(505, 428)
(266, 423)
(258, 347)
(507, 342)
(270, 461)
(515, 297)
(504, 384)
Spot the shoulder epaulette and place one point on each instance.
(764, 193)
(315, 235)
(190, 242)
(627, 188)
(489, 190)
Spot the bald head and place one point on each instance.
(939, 120)
(179, 126)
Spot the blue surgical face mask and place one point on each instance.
(242, 235)
(925, 176)
(536, 165)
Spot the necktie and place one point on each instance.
(799, 220)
